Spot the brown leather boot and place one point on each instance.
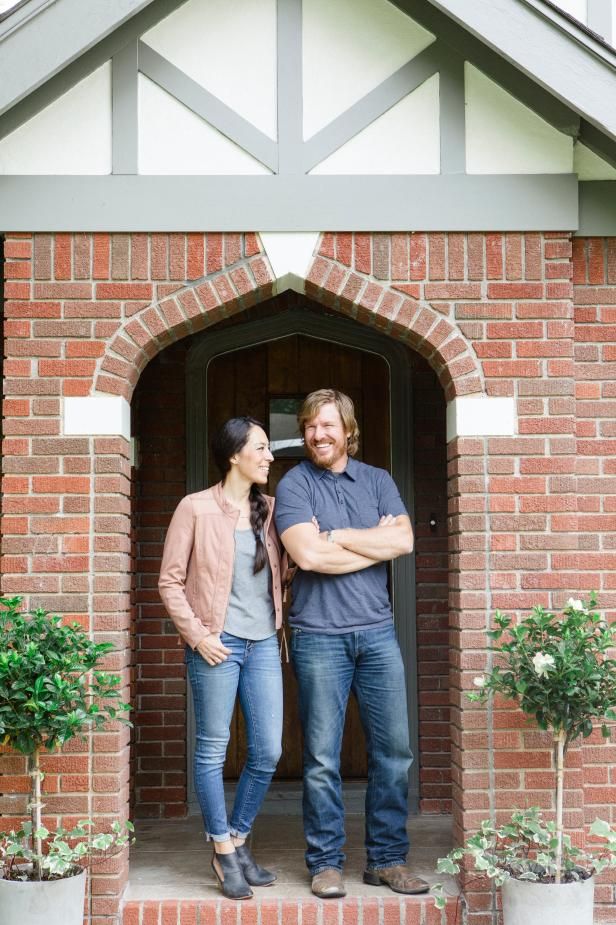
(398, 878)
(328, 884)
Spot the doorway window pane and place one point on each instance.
(285, 438)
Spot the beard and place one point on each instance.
(336, 452)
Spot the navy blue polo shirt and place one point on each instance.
(357, 497)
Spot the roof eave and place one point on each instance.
(536, 39)
(59, 33)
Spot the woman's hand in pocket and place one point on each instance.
(212, 649)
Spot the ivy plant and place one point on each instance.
(525, 848)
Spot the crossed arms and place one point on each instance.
(352, 550)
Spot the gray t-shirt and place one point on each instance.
(357, 497)
(250, 612)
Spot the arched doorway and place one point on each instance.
(167, 420)
(168, 467)
(248, 367)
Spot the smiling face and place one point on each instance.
(326, 439)
(252, 462)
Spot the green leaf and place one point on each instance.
(601, 828)
(447, 866)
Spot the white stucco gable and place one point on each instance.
(312, 104)
(230, 49)
(72, 135)
(349, 50)
(504, 136)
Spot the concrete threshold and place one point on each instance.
(170, 860)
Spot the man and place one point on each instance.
(341, 521)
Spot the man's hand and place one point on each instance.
(212, 650)
(387, 520)
(392, 537)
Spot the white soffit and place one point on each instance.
(101, 416)
(589, 166)
(290, 254)
(404, 140)
(504, 136)
(349, 47)
(228, 47)
(72, 135)
(173, 140)
(480, 416)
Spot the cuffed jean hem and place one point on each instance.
(319, 870)
(397, 862)
(232, 833)
(217, 838)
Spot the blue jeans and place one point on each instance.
(328, 667)
(253, 671)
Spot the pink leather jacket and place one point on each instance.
(197, 566)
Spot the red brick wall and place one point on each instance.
(594, 279)
(431, 577)
(529, 516)
(159, 748)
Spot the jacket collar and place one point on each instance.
(227, 508)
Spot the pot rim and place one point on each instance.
(539, 883)
(77, 871)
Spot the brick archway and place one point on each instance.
(247, 279)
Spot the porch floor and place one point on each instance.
(171, 861)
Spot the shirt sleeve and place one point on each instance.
(293, 503)
(390, 501)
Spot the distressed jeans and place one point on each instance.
(253, 672)
(328, 667)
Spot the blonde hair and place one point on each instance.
(315, 400)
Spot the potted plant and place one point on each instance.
(559, 670)
(50, 692)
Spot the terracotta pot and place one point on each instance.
(45, 902)
(526, 903)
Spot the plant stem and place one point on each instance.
(36, 807)
(560, 774)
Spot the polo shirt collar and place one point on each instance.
(351, 471)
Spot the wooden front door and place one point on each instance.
(244, 382)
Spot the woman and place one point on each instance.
(220, 581)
